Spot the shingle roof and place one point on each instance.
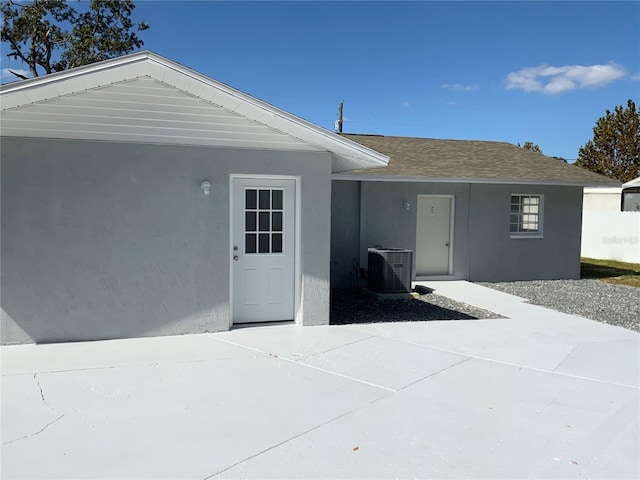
(470, 160)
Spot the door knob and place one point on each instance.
(235, 257)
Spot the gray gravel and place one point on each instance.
(354, 306)
(612, 304)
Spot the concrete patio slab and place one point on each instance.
(183, 420)
(600, 361)
(474, 420)
(519, 308)
(293, 341)
(384, 362)
(54, 357)
(537, 395)
(499, 340)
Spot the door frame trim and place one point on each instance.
(297, 263)
(449, 273)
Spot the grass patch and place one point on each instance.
(611, 271)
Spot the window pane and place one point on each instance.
(250, 221)
(276, 243)
(277, 200)
(277, 221)
(265, 200)
(525, 213)
(250, 243)
(251, 199)
(264, 221)
(263, 245)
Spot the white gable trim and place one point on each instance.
(633, 183)
(347, 155)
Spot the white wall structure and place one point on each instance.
(606, 199)
(631, 196)
(611, 236)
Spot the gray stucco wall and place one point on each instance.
(345, 233)
(106, 240)
(494, 256)
(385, 222)
(483, 248)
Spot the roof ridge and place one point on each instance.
(428, 138)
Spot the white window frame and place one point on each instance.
(540, 214)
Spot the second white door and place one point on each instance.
(433, 235)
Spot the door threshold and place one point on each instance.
(276, 323)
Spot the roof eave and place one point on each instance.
(499, 181)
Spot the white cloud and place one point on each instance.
(5, 73)
(552, 80)
(405, 104)
(460, 87)
(635, 76)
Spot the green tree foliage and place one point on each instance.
(615, 148)
(50, 35)
(534, 147)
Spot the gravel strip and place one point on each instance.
(612, 304)
(354, 306)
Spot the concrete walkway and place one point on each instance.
(539, 395)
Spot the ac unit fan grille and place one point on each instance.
(390, 270)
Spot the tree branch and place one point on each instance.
(16, 51)
(19, 75)
(48, 49)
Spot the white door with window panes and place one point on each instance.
(263, 249)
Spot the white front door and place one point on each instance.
(263, 249)
(433, 242)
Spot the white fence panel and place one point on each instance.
(611, 236)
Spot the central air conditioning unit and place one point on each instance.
(390, 270)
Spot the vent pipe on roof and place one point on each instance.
(338, 124)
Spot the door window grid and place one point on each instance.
(526, 212)
(263, 224)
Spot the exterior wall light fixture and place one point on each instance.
(206, 187)
(407, 206)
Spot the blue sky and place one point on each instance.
(507, 71)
